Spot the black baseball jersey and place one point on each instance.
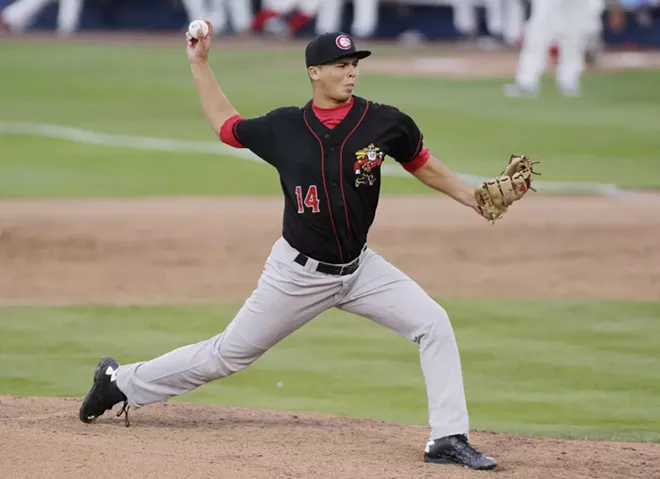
(330, 177)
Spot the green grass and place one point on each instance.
(71, 169)
(610, 135)
(569, 369)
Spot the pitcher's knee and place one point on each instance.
(232, 360)
(436, 324)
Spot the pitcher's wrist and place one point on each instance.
(198, 61)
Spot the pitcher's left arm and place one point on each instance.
(491, 199)
(437, 176)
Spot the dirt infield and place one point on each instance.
(212, 250)
(42, 438)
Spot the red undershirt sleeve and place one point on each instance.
(228, 132)
(419, 161)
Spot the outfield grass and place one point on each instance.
(611, 135)
(569, 369)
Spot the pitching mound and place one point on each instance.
(42, 437)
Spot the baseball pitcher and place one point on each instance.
(328, 155)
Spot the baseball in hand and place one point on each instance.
(198, 25)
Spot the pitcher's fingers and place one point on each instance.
(210, 27)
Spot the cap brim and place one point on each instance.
(360, 54)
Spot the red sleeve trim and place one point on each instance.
(228, 132)
(419, 161)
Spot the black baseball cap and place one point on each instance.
(330, 47)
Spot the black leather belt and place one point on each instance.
(335, 270)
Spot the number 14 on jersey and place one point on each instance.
(311, 199)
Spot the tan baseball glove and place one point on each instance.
(496, 195)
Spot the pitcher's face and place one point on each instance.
(336, 80)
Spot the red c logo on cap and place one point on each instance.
(343, 42)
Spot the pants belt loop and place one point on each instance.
(311, 265)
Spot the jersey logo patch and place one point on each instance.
(367, 159)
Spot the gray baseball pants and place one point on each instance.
(288, 296)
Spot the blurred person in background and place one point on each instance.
(594, 39)
(465, 18)
(4, 26)
(595, 26)
(504, 20)
(365, 17)
(513, 21)
(568, 22)
(270, 19)
(20, 15)
(218, 11)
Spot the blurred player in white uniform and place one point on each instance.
(215, 11)
(569, 23)
(20, 15)
(504, 18)
(512, 19)
(365, 17)
(269, 18)
(595, 29)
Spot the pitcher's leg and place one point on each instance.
(385, 295)
(284, 301)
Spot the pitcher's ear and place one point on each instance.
(314, 73)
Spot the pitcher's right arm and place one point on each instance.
(215, 104)
(256, 134)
